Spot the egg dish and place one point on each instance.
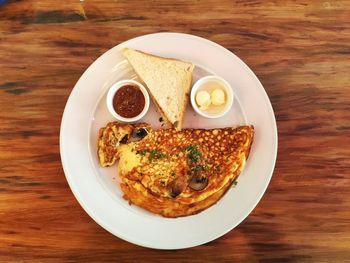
(174, 173)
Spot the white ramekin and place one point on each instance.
(223, 84)
(114, 88)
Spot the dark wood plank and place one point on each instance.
(300, 50)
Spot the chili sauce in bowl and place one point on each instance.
(128, 100)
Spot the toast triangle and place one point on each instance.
(168, 81)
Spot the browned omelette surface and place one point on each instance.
(178, 173)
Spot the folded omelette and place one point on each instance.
(174, 173)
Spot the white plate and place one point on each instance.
(97, 189)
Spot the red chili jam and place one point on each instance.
(128, 101)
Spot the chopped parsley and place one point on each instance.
(193, 153)
(192, 147)
(218, 168)
(173, 174)
(153, 155)
(234, 184)
(199, 167)
(142, 152)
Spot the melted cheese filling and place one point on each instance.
(128, 158)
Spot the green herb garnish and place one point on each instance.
(199, 167)
(142, 152)
(234, 184)
(193, 153)
(155, 154)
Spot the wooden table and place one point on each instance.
(300, 50)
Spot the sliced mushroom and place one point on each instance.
(125, 139)
(198, 182)
(139, 133)
(177, 186)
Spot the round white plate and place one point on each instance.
(97, 189)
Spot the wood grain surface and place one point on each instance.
(300, 50)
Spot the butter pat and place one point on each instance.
(203, 100)
(218, 97)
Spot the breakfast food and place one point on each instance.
(168, 81)
(175, 173)
(109, 139)
(218, 97)
(203, 99)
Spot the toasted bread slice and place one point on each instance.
(168, 81)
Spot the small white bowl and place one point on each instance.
(115, 87)
(208, 83)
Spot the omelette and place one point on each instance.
(174, 173)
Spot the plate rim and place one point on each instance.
(269, 108)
